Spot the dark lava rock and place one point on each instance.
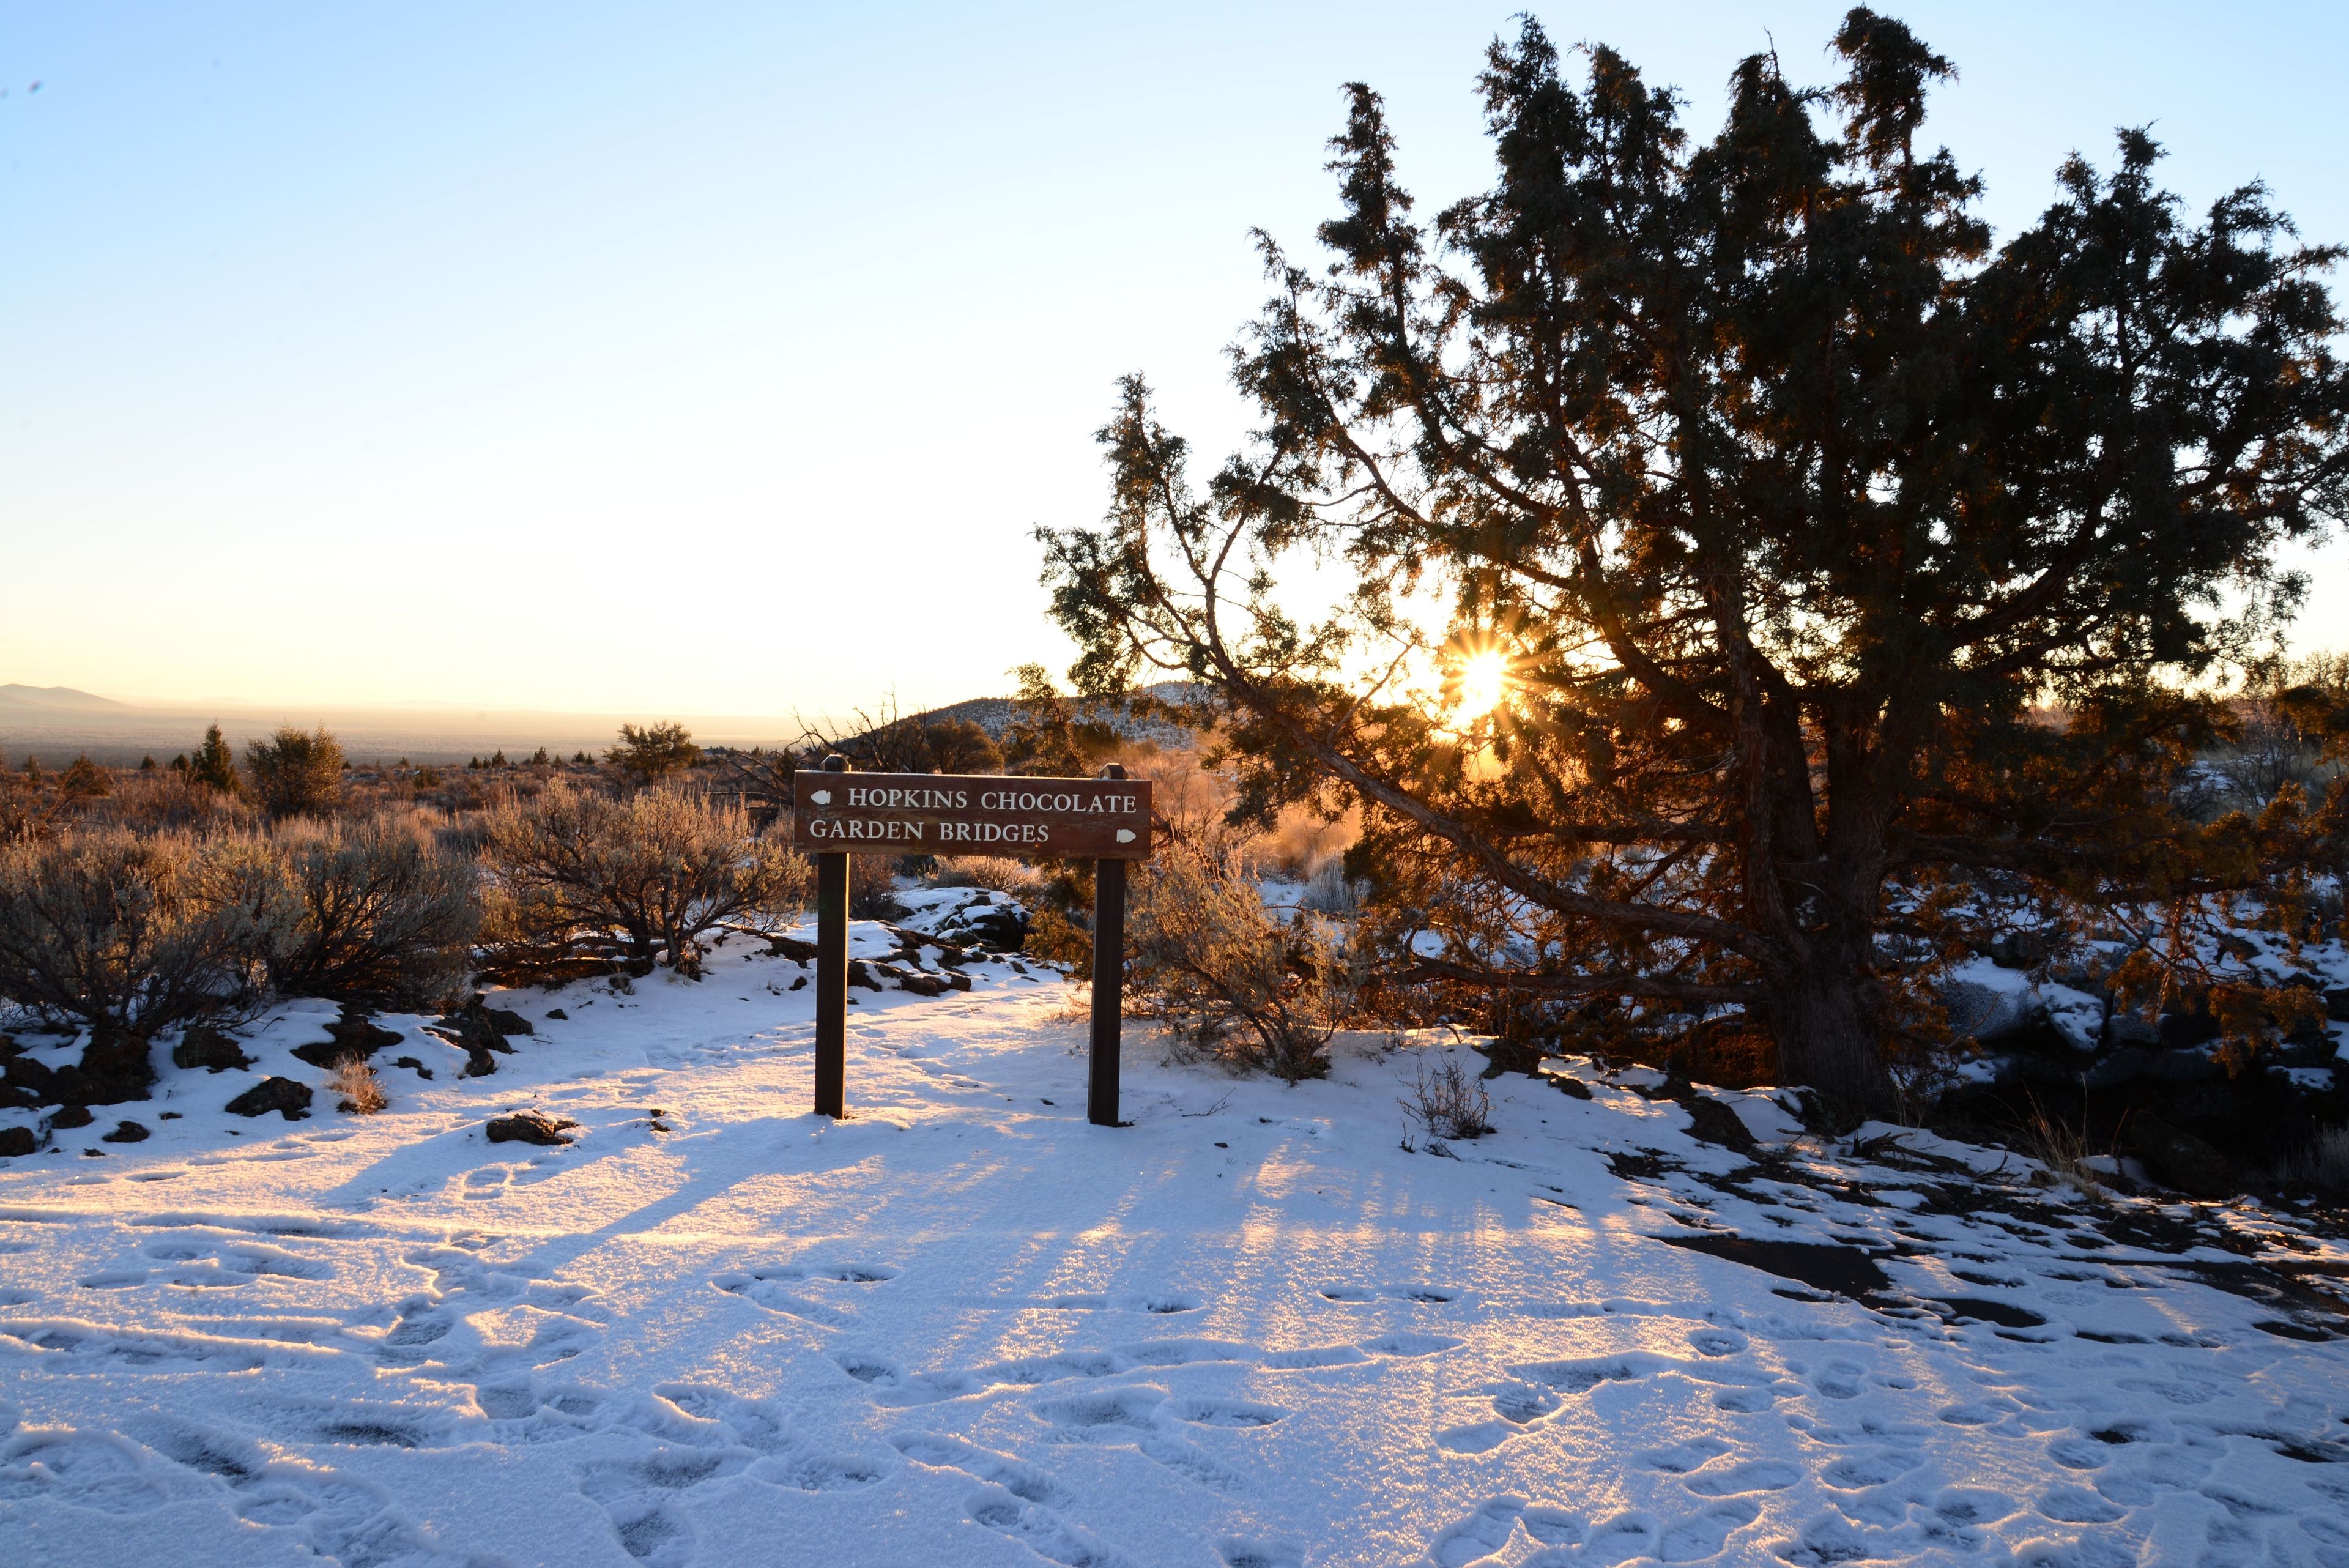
(15, 1141)
(1511, 1056)
(72, 1116)
(2179, 1158)
(127, 1132)
(506, 1021)
(556, 1016)
(2129, 1064)
(860, 973)
(1712, 1122)
(413, 1066)
(529, 1126)
(1569, 1085)
(2198, 1027)
(2019, 949)
(281, 1094)
(1986, 1309)
(21, 1071)
(2336, 1004)
(353, 1035)
(114, 1067)
(1846, 1270)
(1002, 926)
(204, 1047)
(476, 1030)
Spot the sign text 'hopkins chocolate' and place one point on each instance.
(956, 813)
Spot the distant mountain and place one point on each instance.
(22, 699)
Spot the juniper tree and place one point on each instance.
(215, 765)
(1831, 549)
(655, 750)
(294, 773)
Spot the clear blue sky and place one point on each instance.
(388, 353)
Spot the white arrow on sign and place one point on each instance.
(1125, 836)
(820, 797)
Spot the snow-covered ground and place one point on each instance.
(965, 1327)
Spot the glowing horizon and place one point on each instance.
(578, 362)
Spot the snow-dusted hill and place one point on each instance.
(965, 1327)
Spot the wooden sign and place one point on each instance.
(969, 814)
(836, 813)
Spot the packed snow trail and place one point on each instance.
(963, 1326)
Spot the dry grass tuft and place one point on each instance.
(2063, 1149)
(361, 1092)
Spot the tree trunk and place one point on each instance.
(1827, 1038)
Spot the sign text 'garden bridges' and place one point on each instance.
(935, 813)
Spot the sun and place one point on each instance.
(1482, 676)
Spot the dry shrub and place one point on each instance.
(1449, 1102)
(292, 773)
(357, 1090)
(997, 873)
(873, 887)
(1234, 985)
(169, 799)
(378, 915)
(578, 883)
(106, 927)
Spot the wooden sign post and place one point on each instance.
(836, 813)
(832, 974)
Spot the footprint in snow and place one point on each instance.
(1422, 1294)
(332, 1515)
(774, 1287)
(785, 1458)
(1755, 1475)
(1487, 1532)
(1041, 1531)
(1021, 1479)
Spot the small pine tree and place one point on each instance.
(499, 759)
(655, 750)
(85, 780)
(179, 763)
(214, 764)
(582, 758)
(538, 758)
(147, 764)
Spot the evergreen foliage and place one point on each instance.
(295, 774)
(214, 766)
(654, 751)
(1835, 556)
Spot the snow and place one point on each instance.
(966, 1327)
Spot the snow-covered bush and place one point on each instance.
(1234, 985)
(106, 928)
(577, 882)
